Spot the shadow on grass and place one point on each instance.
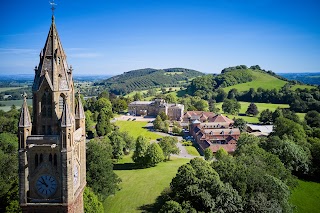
(155, 207)
(125, 166)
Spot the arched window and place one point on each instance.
(55, 159)
(49, 110)
(49, 99)
(50, 158)
(44, 111)
(41, 158)
(36, 160)
(61, 102)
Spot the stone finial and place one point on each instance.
(25, 118)
(79, 114)
(66, 119)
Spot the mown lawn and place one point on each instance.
(262, 80)
(140, 187)
(192, 150)
(261, 107)
(136, 128)
(306, 197)
(17, 103)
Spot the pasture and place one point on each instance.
(260, 79)
(137, 128)
(17, 103)
(140, 187)
(244, 107)
(306, 196)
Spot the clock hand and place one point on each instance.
(44, 182)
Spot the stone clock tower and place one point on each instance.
(52, 156)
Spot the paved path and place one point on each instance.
(183, 152)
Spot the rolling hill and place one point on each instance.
(149, 78)
(259, 79)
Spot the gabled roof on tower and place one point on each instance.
(66, 117)
(53, 61)
(25, 119)
(79, 114)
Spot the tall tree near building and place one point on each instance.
(252, 110)
(169, 146)
(231, 106)
(100, 175)
(154, 155)
(139, 153)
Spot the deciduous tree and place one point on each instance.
(169, 146)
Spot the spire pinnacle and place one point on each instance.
(79, 114)
(25, 119)
(52, 8)
(66, 119)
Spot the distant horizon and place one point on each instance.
(102, 74)
(114, 37)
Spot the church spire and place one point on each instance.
(54, 61)
(25, 119)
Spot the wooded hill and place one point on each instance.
(149, 78)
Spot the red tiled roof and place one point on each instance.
(199, 113)
(221, 119)
(228, 147)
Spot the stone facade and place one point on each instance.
(153, 108)
(52, 152)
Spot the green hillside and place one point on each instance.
(149, 78)
(259, 79)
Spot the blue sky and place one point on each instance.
(111, 37)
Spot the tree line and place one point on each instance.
(256, 178)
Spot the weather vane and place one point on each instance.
(52, 6)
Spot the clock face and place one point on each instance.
(75, 174)
(46, 185)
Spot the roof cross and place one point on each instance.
(52, 6)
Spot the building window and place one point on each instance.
(61, 102)
(36, 160)
(55, 159)
(41, 158)
(49, 131)
(50, 158)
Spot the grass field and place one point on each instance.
(260, 79)
(261, 107)
(302, 87)
(306, 197)
(3, 89)
(192, 150)
(17, 103)
(136, 128)
(140, 187)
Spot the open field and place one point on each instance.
(140, 187)
(260, 79)
(302, 87)
(306, 197)
(261, 107)
(17, 103)
(3, 89)
(192, 150)
(136, 128)
(301, 116)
